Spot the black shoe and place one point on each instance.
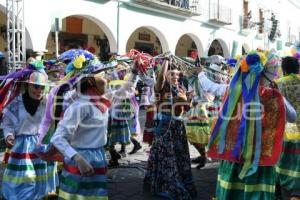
(196, 160)
(123, 153)
(135, 148)
(113, 163)
(115, 155)
(201, 163)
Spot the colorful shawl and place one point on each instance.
(244, 132)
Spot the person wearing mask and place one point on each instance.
(254, 176)
(81, 135)
(26, 176)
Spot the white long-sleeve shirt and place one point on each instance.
(211, 87)
(220, 89)
(17, 121)
(84, 125)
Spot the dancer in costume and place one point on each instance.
(288, 168)
(248, 145)
(81, 135)
(198, 130)
(122, 124)
(148, 101)
(135, 127)
(26, 176)
(204, 112)
(169, 168)
(148, 134)
(215, 102)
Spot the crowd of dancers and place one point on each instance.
(61, 117)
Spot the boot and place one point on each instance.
(196, 160)
(123, 152)
(137, 146)
(202, 162)
(114, 154)
(113, 163)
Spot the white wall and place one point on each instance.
(169, 29)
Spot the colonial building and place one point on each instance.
(183, 27)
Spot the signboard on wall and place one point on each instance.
(144, 36)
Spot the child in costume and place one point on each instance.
(288, 168)
(122, 123)
(204, 112)
(81, 136)
(248, 143)
(26, 176)
(148, 101)
(197, 125)
(198, 130)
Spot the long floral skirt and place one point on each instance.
(169, 169)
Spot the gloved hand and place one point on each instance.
(84, 166)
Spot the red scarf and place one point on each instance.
(100, 102)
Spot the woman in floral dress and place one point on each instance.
(169, 169)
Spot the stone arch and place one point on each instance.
(108, 33)
(160, 38)
(195, 40)
(223, 45)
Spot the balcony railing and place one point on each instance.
(219, 13)
(291, 39)
(182, 7)
(249, 26)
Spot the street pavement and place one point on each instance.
(126, 181)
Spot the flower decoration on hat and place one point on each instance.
(238, 57)
(231, 62)
(297, 55)
(254, 62)
(36, 65)
(79, 61)
(244, 66)
(273, 60)
(263, 57)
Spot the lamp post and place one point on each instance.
(118, 27)
(266, 39)
(56, 36)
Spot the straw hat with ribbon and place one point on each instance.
(11, 84)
